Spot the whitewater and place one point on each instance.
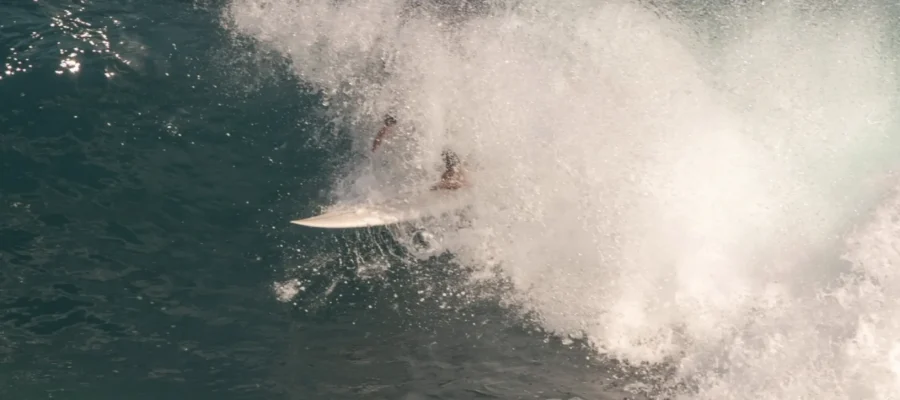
(704, 186)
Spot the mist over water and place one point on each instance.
(675, 185)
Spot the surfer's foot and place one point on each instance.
(450, 180)
(447, 186)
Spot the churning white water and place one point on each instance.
(703, 185)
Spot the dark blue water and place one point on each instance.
(149, 163)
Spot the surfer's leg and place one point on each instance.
(451, 160)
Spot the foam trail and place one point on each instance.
(674, 189)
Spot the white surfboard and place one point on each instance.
(392, 212)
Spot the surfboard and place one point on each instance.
(392, 212)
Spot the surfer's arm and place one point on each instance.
(389, 121)
(380, 137)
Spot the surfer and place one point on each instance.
(451, 179)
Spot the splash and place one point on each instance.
(670, 184)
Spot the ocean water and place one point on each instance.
(674, 200)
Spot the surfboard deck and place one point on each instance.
(388, 213)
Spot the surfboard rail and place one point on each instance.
(388, 213)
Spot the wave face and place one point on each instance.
(674, 184)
